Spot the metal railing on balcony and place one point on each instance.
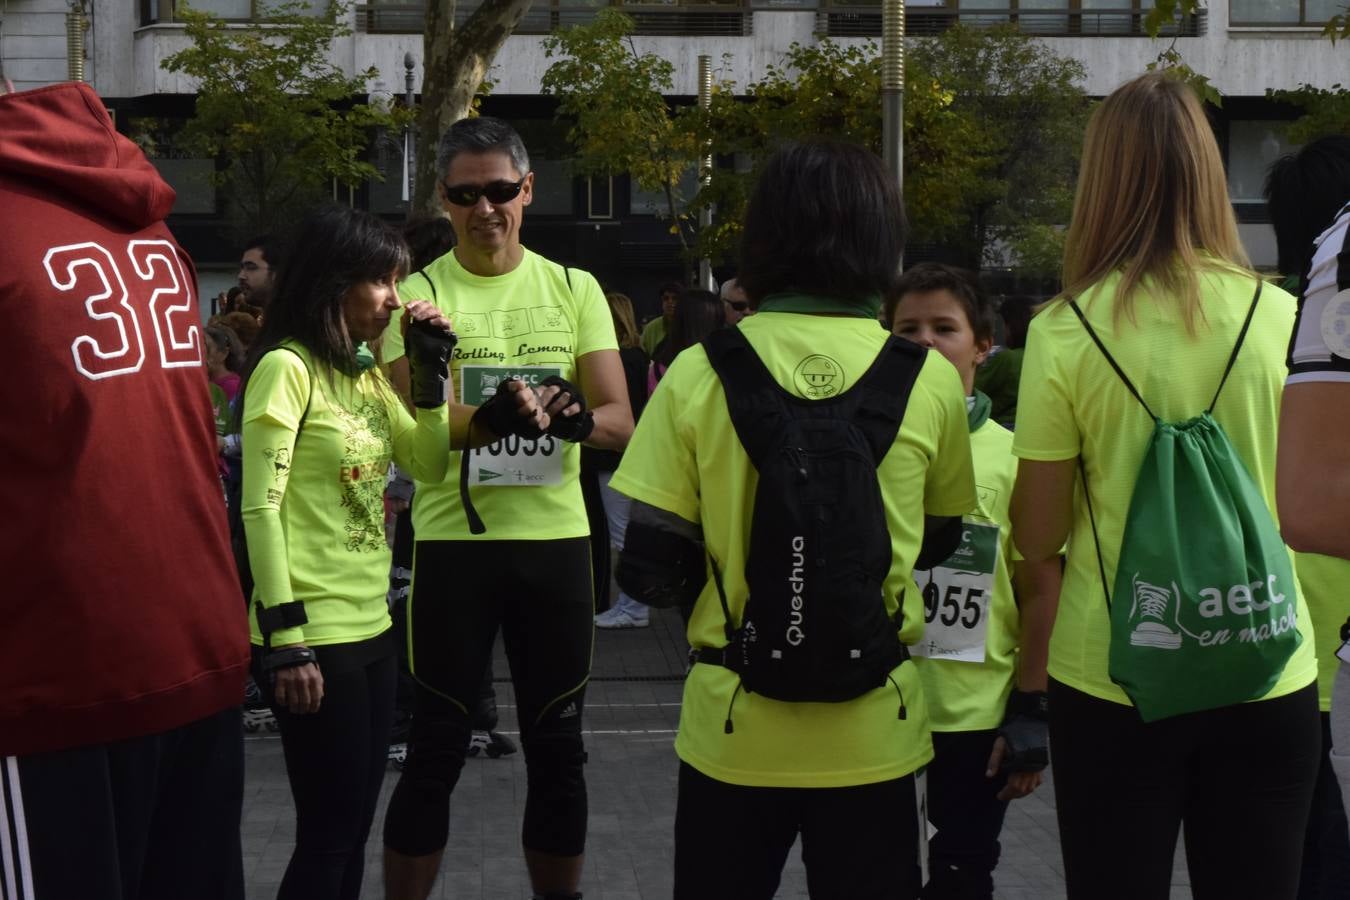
(657, 19)
(852, 20)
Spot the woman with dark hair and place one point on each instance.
(765, 755)
(1308, 194)
(320, 427)
(224, 358)
(1146, 439)
(698, 314)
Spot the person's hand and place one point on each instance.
(424, 311)
(527, 403)
(298, 688)
(398, 505)
(557, 402)
(1020, 784)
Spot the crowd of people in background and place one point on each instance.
(924, 542)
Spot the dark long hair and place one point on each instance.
(1304, 191)
(825, 218)
(334, 249)
(697, 315)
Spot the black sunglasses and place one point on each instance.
(498, 192)
(739, 306)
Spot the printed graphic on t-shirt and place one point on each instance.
(818, 377)
(512, 461)
(956, 597)
(367, 445)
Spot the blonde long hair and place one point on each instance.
(625, 322)
(1152, 200)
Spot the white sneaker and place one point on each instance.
(622, 616)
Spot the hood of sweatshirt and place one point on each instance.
(60, 141)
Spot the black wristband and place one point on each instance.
(501, 417)
(1033, 704)
(288, 658)
(574, 428)
(428, 349)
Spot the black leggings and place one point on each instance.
(858, 843)
(963, 806)
(335, 760)
(1239, 780)
(539, 594)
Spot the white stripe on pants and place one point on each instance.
(14, 856)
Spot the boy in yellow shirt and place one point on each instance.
(982, 657)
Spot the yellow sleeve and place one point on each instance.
(595, 325)
(1046, 427)
(421, 447)
(275, 402)
(660, 466)
(949, 486)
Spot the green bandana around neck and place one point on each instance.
(979, 412)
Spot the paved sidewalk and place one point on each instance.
(632, 711)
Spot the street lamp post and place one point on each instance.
(409, 144)
(893, 87)
(705, 277)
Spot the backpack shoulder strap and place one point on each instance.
(884, 393)
(1237, 347)
(431, 284)
(749, 387)
(1073, 305)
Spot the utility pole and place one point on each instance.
(705, 277)
(409, 141)
(893, 87)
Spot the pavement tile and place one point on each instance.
(631, 779)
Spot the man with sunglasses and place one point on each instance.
(503, 541)
(734, 301)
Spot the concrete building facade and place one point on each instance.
(1244, 46)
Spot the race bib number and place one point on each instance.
(512, 461)
(956, 598)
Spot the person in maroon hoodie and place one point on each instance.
(123, 645)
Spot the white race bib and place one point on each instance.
(956, 597)
(512, 461)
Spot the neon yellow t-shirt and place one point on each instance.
(1325, 581)
(685, 458)
(962, 694)
(528, 322)
(313, 506)
(1072, 403)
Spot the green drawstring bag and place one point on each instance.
(1205, 610)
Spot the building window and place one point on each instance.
(1252, 146)
(1283, 12)
(653, 203)
(553, 189)
(191, 180)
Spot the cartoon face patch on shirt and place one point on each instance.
(1336, 324)
(818, 377)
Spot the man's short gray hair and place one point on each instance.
(728, 286)
(482, 134)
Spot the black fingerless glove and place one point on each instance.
(500, 415)
(1026, 731)
(575, 428)
(428, 350)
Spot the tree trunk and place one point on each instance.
(454, 64)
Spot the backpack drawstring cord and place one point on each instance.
(728, 728)
(904, 714)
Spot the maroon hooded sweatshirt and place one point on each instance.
(120, 611)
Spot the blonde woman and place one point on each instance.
(1154, 264)
(625, 612)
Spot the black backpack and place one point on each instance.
(815, 626)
